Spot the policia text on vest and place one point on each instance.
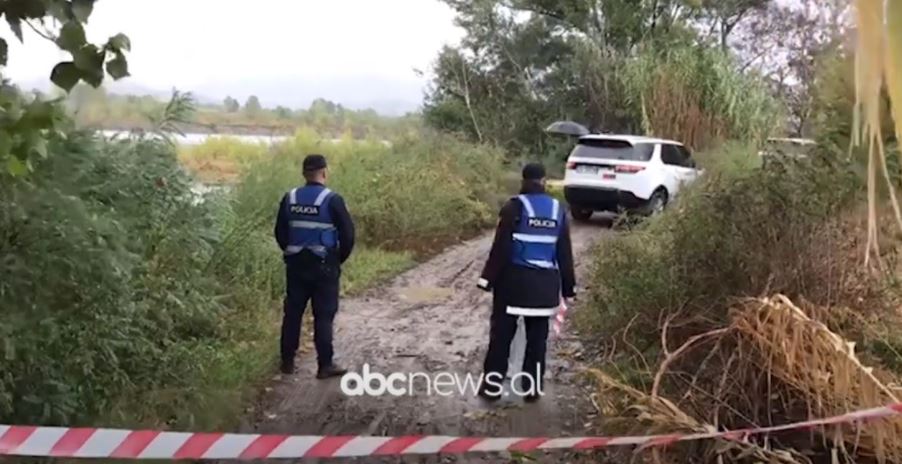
(316, 235)
(529, 270)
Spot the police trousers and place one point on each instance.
(501, 334)
(311, 280)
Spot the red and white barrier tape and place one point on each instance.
(128, 444)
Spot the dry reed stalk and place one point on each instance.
(672, 95)
(821, 366)
(878, 56)
(658, 415)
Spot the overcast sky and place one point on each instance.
(285, 51)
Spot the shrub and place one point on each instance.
(737, 233)
(392, 192)
(105, 250)
(692, 343)
(127, 300)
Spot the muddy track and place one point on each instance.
(430, 319)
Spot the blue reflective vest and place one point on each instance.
(310, 221)
(536, 234)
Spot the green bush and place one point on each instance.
(737, 233)
(128, 301)
(415, 195)
(104, 249)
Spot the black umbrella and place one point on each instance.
(567, 128)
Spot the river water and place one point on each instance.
(197, 138)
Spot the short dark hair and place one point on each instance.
(314, 162)
(533, 171)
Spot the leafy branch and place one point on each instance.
(27, 123)
(90, 62)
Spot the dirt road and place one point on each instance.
(430, 319)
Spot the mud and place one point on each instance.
(431, 319)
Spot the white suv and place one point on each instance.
(625, 172)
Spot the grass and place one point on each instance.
(174, 304)
(220, 160)
(371, 266)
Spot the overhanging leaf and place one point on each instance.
(65, 75)
(89, 58)
(119, 42)
(16, 167)
(15, 24)
(40, 113)
(72, 37)
(82, 9)
(37, 144)
(93, 77)
(61, 10)
(6, 143)
(117, 67)
(31, 9)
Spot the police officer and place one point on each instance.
(316, 235)
(529, 269)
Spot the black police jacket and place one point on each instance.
(519, 285)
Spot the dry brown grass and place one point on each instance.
(814, 366)
(213, 171)
(695, 127)
(772, 364)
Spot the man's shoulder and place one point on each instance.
(512, 204)
(335, 197)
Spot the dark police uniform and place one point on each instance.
(529, 268)
(316, 235)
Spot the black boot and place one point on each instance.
(332, 370)
(492, 396)
(287, 367)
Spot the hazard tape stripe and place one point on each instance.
(146, 444)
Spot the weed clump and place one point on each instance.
(678, 308)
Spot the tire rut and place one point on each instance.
(429, 319)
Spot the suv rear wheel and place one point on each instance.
(656, 203)
(581, 214)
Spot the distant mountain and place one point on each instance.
(385, 96)
(389, 97)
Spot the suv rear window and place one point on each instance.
(613, 150)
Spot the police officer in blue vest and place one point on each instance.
(316, 235)
(529, 270)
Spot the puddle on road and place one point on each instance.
(418, 294)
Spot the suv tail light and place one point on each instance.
(571, 165)
(627, 169)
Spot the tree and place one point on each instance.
(283, 112)
(524, 63)
(723, 16)
(231, 105)
(788, 44)
(252, 107)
